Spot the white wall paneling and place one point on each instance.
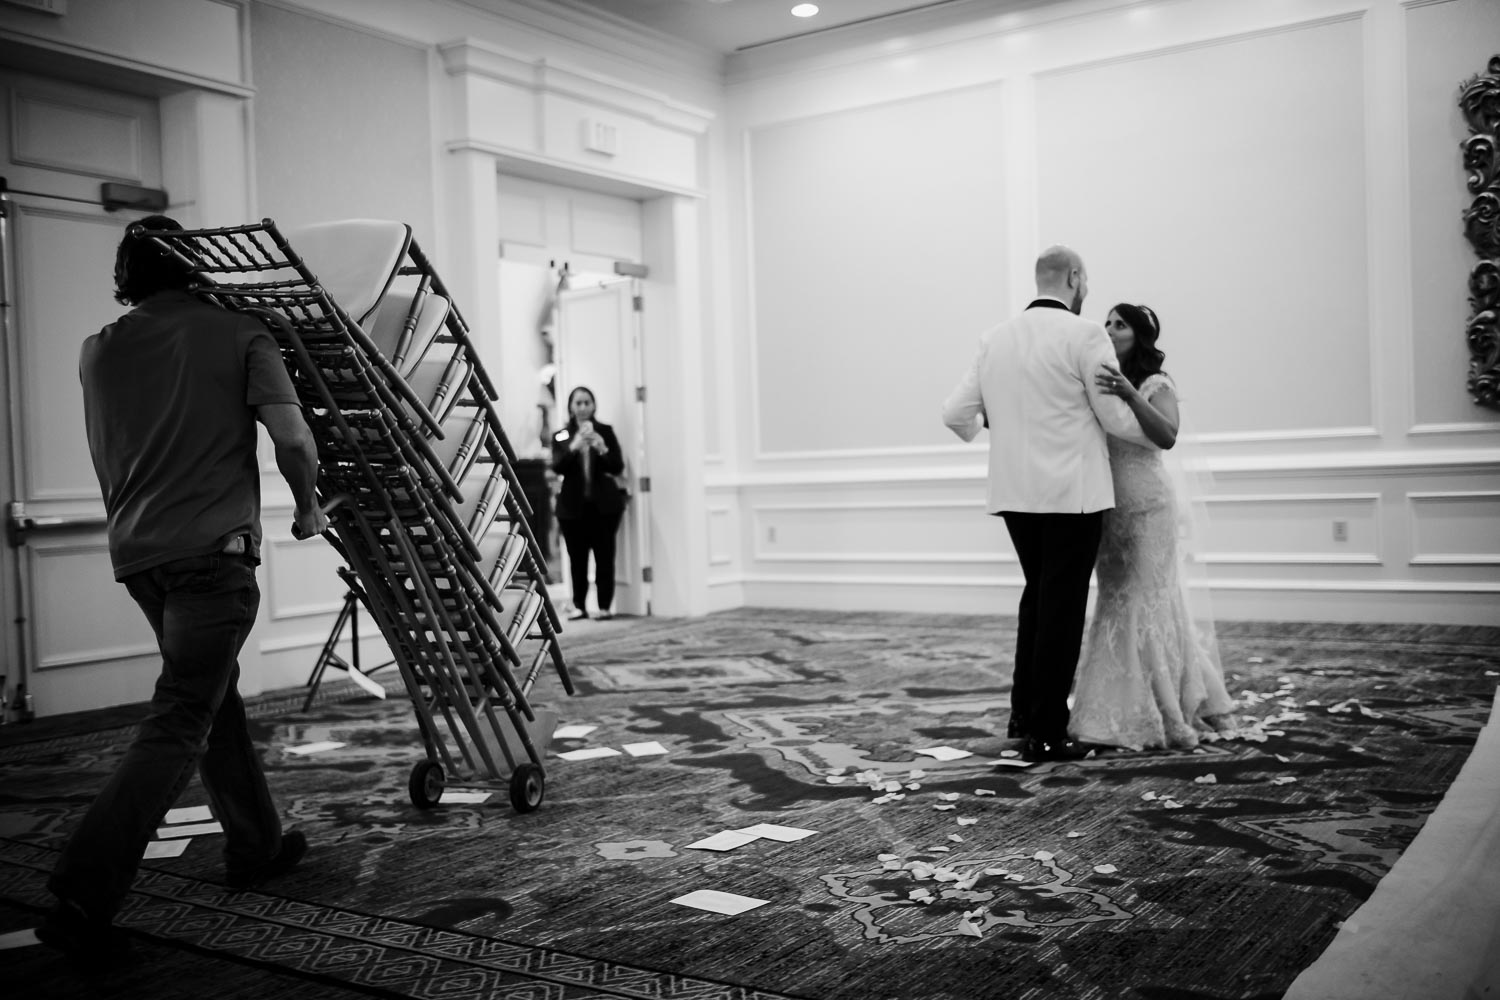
(196, 43)
(672, 335)
(1455, 528)
(65, 578)
(1178, 203)
(132, 111)
(45, 128)
(299, 578)
(51, 300)
(1445, 43)
(722, 545)
(1273, 178)
(314, 163)
(1292, 529)
(88, 641)
(536, 111)
(1281, 179)
(932, 531)
(920, 540)
(863, 285)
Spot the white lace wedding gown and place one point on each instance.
(1149, 676)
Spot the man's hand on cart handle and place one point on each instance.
(314, 522)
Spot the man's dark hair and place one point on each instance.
(142, 268)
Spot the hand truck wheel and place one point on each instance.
(527, 786)
(426, 784)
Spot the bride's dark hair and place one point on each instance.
(1144, 359)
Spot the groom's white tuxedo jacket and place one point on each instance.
(1033, 379)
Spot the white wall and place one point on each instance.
(343, 123)
(307, 110)
(1281, 181)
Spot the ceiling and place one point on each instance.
(729, 26)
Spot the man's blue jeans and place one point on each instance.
(202, 610)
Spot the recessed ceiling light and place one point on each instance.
(804, 10)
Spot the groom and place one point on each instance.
(1032, 385)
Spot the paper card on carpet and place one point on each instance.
(726, 840)
(318, 747)
(166, 848)
(945, 753)
(573, 732)
(715, 901)
(1011, 763)
(370, 686)
(770, 831)
(651, 749)
(589, 753)
(18, 939)
(189, 814)
(189, 830)
(464, 797)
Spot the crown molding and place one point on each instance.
(924, 27)
(601, 30)
(470, 57)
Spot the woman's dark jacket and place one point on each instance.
(604, 494)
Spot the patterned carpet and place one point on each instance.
(1217, 873)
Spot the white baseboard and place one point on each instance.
(724, 595)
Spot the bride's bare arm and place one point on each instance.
(1157, 416)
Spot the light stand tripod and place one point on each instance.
(348, 615)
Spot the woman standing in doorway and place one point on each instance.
(587, 455)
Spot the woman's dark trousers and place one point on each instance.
(594, 533)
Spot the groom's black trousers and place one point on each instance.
(1057, 553)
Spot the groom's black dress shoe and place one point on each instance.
(1037, 749)
(1016, 730)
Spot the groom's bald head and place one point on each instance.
(1060, 274)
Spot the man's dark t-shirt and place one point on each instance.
(169, 397)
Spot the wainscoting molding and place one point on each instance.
(1266, 526)
(1473, 541)
(1393, 535)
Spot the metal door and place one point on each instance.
(72, 635)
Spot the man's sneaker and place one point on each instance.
(293, 846)
(96, 945)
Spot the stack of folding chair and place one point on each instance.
(417, 476)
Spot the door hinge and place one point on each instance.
(645, 484)
(645, 574)
(635, 302)
(640, 394)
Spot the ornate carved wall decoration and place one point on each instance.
(1479, 99)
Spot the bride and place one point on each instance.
(1150, 677)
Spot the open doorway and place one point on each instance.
(584, 330)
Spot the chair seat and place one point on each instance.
(388, 327)
(440, 383)
(354, 260)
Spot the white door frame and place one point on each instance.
(672, 325)
(629, 391)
